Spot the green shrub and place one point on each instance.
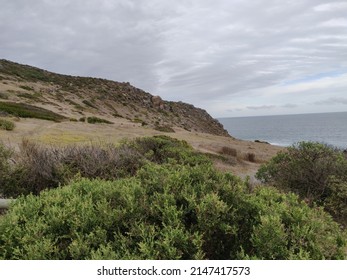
(336, 202)
(5, 156)
(6, 124)
(32, 96)
(94, 120)
(38, 167)
(89, 104)
(167, 212)
(164, 128)
(29, 111)
(27, 88)
(163, 149)
(315, 171)
(305, 168)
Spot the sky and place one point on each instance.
(229, 57)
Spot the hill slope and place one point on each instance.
(77, 97)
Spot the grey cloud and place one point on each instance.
(262, 107)
(289, 105)
(194, 51)
(332, 101)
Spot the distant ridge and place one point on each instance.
(75, 97)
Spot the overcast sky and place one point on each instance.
(230, 57)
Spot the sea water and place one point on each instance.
(285, 130)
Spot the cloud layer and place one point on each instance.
(231, 57)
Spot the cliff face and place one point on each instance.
(76, 97)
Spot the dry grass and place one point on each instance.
(78, 132)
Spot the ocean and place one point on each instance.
(285, 130)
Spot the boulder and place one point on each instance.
(157, 102)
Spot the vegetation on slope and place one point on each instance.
(115, 99)
(155, 198)
(6, 124)
(29, 111)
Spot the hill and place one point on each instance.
(82, 97)
(59, 109)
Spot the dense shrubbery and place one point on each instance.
(97, 120)
(162, 200)
(38, 167)
(315, 171)
(167, 211)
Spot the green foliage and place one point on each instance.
(89, 104)
(167, 212)
(94, 120)
(6, 124)
(315, 171)
(162, 200)
(163, 149)
(24, 72)
(164, 128)
(29, 111)
(26, 88)
(5, 156)
(39, 167)
(336, 202)
(35, 96)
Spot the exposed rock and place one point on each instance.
(157, 102)
(262, 142)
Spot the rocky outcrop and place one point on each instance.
(157, 102)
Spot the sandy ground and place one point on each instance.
(76, 132)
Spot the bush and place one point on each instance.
(315, 171)
(164, 128)
(94, 120)
(27, 88)
(167, 212)
(250, 157)
(29, 111)
(228, 151)
(89, 104)
(6, 124)
(38, 167)
(5, 156)
(163, 149)
(336, 202)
